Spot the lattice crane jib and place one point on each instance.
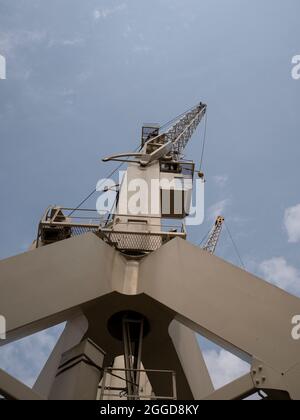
(214, 236)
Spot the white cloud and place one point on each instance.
(292, 223)
(127, 31)
(141, 49)
(96, 14)
(84, 76)
(277, 271)
(25, 359)
(106, 12)
(217, 209)
(224, 367)
(75, 42)
(9, 41)
(72, 42)
(220, 180)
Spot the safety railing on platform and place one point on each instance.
(60, 223)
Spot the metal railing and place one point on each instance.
(121, 392)
(57, 225)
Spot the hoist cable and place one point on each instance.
(235, 247)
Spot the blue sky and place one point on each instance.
(82, 77)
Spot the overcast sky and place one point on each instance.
(82, 77)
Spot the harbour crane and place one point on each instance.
(213, 238)
(133, 292)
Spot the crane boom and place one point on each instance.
(169, 144)
(214, 236)
(181, 132)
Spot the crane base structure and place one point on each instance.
(178, 290)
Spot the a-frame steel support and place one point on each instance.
(178, 282)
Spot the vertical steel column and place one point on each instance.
(103, 384)
(132, 355)
(128, 367)
(79, 373)
(138, 359)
